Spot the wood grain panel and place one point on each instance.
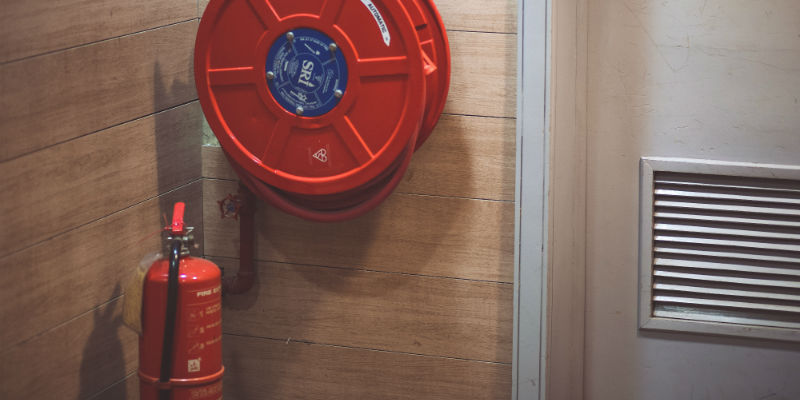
(470, 15)
(471, 157)
(73, 273)
(375, 310)
(479, 15)
(30, 27)
(484, 70)
(215, 164)
(275, 370)
(59, 188)
(425, 235)
(72, 361)
(201, 5)
(60, 96)
(125, 390)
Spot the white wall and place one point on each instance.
(714, 79)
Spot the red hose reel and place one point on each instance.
(320, 104)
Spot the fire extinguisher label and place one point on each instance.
(208, 392)
(209, 292)
(203, 328)
(387, 37)
(306, 72)
(194, 365)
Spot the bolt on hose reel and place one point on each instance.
(320, 104)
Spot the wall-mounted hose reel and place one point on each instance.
(320, 104)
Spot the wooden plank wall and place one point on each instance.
(101, 133)
(414, 300)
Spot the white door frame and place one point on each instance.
(530, 281)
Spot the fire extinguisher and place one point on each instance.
(180, 349)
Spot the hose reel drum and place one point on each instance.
(320, 104)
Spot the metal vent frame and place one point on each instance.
(689, 323)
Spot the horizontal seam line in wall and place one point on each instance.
(367, 270)
(479, 31)
(478, 116)
(290, 340)
(75, 228)
(78, 46)
(116, 125)
(457, 197)
(400, 192)
(59, 325)
(106, 389)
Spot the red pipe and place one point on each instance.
(245, 278)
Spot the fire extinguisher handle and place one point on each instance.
(177, 226)
(171, 313)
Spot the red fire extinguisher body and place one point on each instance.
(196, 371)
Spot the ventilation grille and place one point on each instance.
(726, 249)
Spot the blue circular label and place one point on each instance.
(306, 72)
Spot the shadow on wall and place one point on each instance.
(104, 348)
(166, 141)
(104, 356)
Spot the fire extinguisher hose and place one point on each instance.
(169, 320)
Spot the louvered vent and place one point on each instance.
(725, 250)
